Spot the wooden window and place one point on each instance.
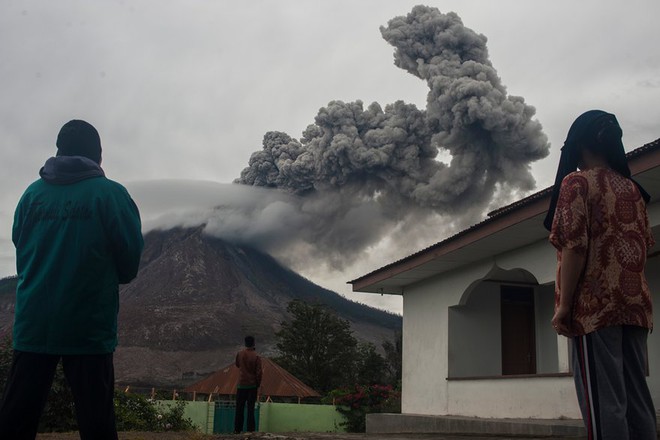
(518, 330)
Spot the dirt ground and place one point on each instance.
(268, 436)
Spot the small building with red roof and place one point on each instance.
(276, 382)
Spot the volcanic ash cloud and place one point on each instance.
(359, 172)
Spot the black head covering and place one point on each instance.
(79, 138)
(597, 131)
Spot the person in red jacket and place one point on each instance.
(249, 364)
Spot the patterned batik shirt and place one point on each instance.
(602, 215)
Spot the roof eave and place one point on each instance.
(459, 241)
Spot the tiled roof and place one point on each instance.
(501, 212)
(276, 381)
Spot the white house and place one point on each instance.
(477, 339)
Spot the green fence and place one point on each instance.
(218, 417)
(292, 417)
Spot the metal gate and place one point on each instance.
(223, 420)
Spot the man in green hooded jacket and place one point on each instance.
(77, 236)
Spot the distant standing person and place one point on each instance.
(77, 237)
(249, 364)
(599, 225)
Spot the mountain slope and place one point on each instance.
(7, 298)
(194, 300)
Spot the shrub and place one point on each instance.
(59, 415)
(356, 402)
(133, 412)
(173, 417)
(137, 413)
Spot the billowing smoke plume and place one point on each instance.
(361, 171)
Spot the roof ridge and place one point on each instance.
(632, 154)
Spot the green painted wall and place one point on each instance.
(273, 417)
(201, 414)
(292, 417)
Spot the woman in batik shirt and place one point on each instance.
(600, 228)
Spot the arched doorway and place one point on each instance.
(501, 327)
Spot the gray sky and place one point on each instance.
(187, 89)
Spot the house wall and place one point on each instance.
(425, 338)
(539, 259)
(434, 315)
(653, 278)
(434, 324)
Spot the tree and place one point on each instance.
(316, 346)
(394, 357)
(369, 365)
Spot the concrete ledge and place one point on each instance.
(417, 423)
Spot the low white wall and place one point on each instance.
(538, 398)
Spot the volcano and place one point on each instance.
(194, 300)
(196, 297)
